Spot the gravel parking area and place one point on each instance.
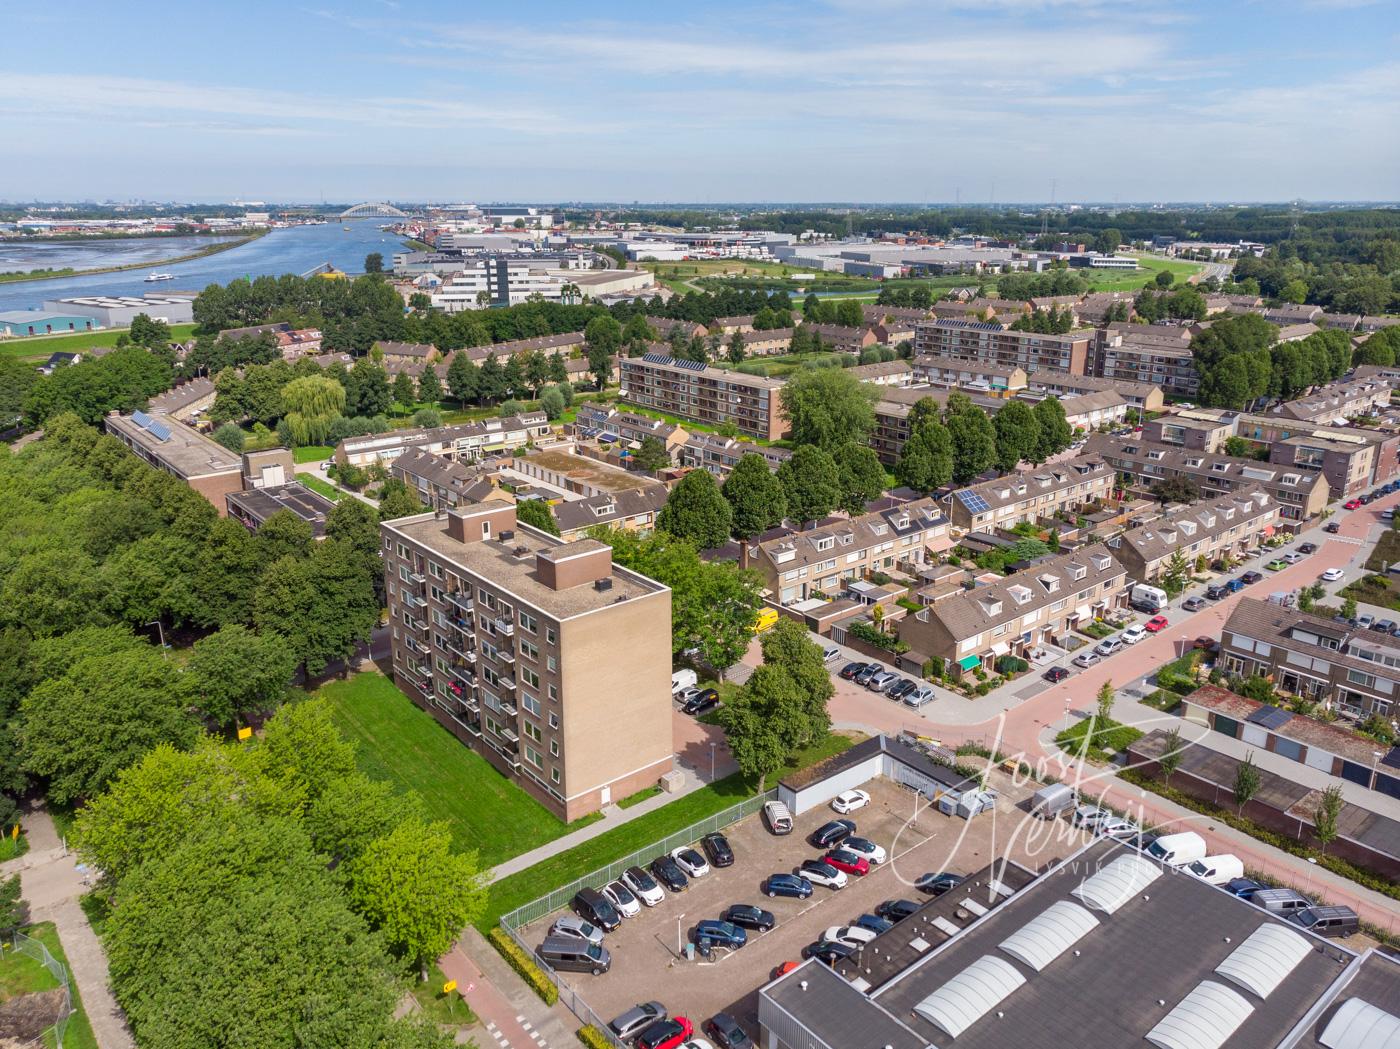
(648, 960)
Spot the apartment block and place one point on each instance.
(1352, 671)
(707, 395)
(992, 343)
(1161, 357)
(497, 281)
(1030, 495)
(1042, 604)
(1299, 494)
(801, 565)
(1351, 458)
(205, 465)
(1200, 431)
(1146, 396)
(1230, 526)
(466, 442)
(969, 375)
(509, 638)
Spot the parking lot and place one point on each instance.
(648, 958)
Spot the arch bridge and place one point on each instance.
(372, 210)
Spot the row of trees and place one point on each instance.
(959, 442)
(1240, 361)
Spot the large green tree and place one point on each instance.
(811, 482)
(862, 477)
(926, 460)
(827, 407)
(974, 440)
(235, 673)
(1055, 431)
(695, 510)
(756, 497)
(324, 604)
(1017, 435)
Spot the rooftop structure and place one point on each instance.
(206, 466)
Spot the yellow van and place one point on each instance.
(765, 620)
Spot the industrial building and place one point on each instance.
(118, 311)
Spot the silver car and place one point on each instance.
(919, 697)
(632, 1022)
(879, 682)
(577, 929)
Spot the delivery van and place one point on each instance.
(1177, 850)
(1216, 870)
(1050, 801)
(766, 619)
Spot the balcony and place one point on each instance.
(462, 601)
(461, 651)
(466, 674)
(506, 656)
(509, 707)
(421, 670)
(506, 683)
(415, 646)
(418, 626)
(414, 601)
(418, 577)
(505, 626)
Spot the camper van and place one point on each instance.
(1049, 802)
(1177, 850)
(1147, 598)
(1216, 870)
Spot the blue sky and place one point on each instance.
(823, 100)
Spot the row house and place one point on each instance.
(1338, 402)
(567, 343)
(884, 373)
(1030, 495)
(633, 509)
(1089, 411)
(606, 423)
(465, 442)
(1144, 396)
(719, 455)
(694, 391)
(1231, 526)
(842, 338)
(980, 376)
(442, 483)
(993, 343)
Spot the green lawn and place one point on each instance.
(1109, 738)
(450, 1008)
(325, 488)
(39, 347)
(534, 882)
(312, 453)
(78, 1034)
(404, 745)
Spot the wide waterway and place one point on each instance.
(21, 256)
(296, 249)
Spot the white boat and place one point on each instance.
(159, 276)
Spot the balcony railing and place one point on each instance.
(506, 656)
(465, 674)
(418, 625)
(413, 600)
(505, 626)
(461, 651)
(461, 600)
(418, 577)
(506, 682)
(415, 645)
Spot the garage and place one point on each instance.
(878, 756)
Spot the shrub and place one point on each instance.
(871, 636)
(1011, 665)
(231, 436)
(427, 418)
(594, 1038)
(521, 962)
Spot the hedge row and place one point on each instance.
(594, 1038)
(521, 962)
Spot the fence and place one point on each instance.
(533, 911)
(32, 948)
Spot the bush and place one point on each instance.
(594, 1038)
(553, 403)
(878, 638)
(1179, 675)
(521, 962)
(231, 436)
(427, 418)
(509, 407)
(1011, 665)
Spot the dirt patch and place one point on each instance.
(24, 1018)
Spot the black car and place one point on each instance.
(829, 951)
(850, 670)
(701, 703)
(1307, 548)
(747, 916)
(1217, 590)
(833, 833)
(1055, 674)
(1251, 577)
(669, 873)
(937, 884)
(1332, 527)
(874, 923)
(726, 1032)
(896, 910)
(591, 905)
(901, 688)
(717, 848)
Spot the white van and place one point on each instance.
(1052, 800)
(1216, 870)
(682, 680)
(1177, 850)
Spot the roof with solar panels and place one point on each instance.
(181, 449)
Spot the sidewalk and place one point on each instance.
(512, 1014)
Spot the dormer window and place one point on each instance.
(1020, 594)
(1076, 570)
(992, 605)
(1050, 582)
(1188, 527)
(1193, 462)
(1100, 561)
(824, 542)
(1156, 454)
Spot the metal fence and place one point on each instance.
(32, 948)
(518, 919)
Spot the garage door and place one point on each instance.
(1317, 758)
(1256, 734)
(819, 793)
(1226, 726)
(1356, 773)
(1288, 748)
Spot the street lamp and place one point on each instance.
(679, 946)
(1376, 756)
(712, 762)
(160, 631)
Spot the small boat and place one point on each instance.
(345, 228)
(159, 276)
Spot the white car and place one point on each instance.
(819, 873)
(1332, 575)
(853, 935)
(697, 1043)
(1088, 815)
(1133, 635)
(1115, 827)
(690, 861)
(831, 653)
(621, 897)
(849, 801)
(865, 847)
(643, 886)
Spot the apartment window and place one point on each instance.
(489, 600)
(549, 635)
(530, 703)
(529, 677)
(533, 756)
(528, 623)
(403, 573)
(553, 720)
(434, 569)
(528, 650)
(553, 693)
(554, 775)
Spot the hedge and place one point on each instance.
(521, 962)
(594, 1038)
(878, 638)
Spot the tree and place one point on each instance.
(926, 460)
(429, 386)
(1246, 782)
(1179, 489)
(1325, 816)
(1170, 759)
(1055, 431)
(235, 672)
(974, 441)
(310, 404)
(861, 476)
(374, 262)
(738, 349)
(355, 523)
(462, 378)
(404, 389)
(397, 499)
(367, 392)
(552, 403)
(1176, 574)
(811, 483)
(788, 646)
(695, 510)
(1163, 279)
(754, 734)
(427, 418)
(756, 497)
(828, 407)
(283, 534)
(231, 436)
(1103, 704)
(652, 455)
(536, 513)
(1017, 435)
(1107, 241)
(419, 894)
(324, 604)
(13, 910)
(1349, 608)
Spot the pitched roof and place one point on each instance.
(1198, 521)
(609, 508)
(840, 536)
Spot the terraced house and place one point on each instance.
(509, 638)
(1231, 526)
(801, 565)
(1030, 495)
(1352, 671)
(464, 442)
(1042, 604)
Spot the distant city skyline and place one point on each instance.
(830, 101)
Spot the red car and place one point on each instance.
(848, 861)
(665, 1034)
(1155, 624)
(1352, 504)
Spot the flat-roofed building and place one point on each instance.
(690, 390)
(118, 311)
(993, 343)
(253, 506)
(973, 376)
(510, 639)
(1161, 357)
(465, 442)
(205, 465)
(1198, 430)
(563, 470)
(1030, 495)
(1229, 526)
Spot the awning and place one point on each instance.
(1001, 648)
(968, 662)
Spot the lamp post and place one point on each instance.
(679, 945)
(1376, 756)
(160, 632)
(712, 762)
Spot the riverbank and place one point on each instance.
(212, 249)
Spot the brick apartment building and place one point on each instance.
(991, 343)
(205, 465)
(509, 638)
(1158, 355)
(690, 390)
(1227, 526)
(1030, 495)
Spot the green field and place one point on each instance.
(312, 453)
(39, 347)
(404, 745)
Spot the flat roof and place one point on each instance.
(262, 503)
(183, 449)
(591, 471)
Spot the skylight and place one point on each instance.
(970, 995)
(1204, 1019)
(1264, 959)
(1049, 934)
(1358, 1024)
(1116, 884)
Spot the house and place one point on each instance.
(441, 482)
(884, 373)
(1041, 604)
(1225, 527)
(730, 325)
(406, 352)
(1031, 495)
(719, 455)
(464, 442)
(607, 424)
(1089, 411)
(633, 509)
(1338, 402)
(977, 376)
(767, 343)
(185, 401)
(1145, 396)
(567, 343)
(843, 339)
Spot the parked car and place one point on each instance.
(848, 861)
(1351, 504)
(793, 886)
(1278, 564)
(1155, 624)
(1193, 604)
(936, 884)
(669, 874)
(631, 1023)
(1384, 626)
(833, 833)
(855, 935)
(896, 910)
(1292, 557)
(1216, 870)
(1280, 901)
(1332, 527)
(901, 688)
(747, 916)
(829, 951)
(701, 703)
(778, 818)
(1055, 675)
(821, 873)
(721, 933)
(1204, 644)
(686, 695)
(1327, 921)
(850, 670)
(665, 1034)
(880, 680)
(1086, 659)
(682, 680)
(1217, 590)
(574, 928)
(621, 897)
(865, 847)
(1108, 646)
(1307, 548)
(1116, 827)
(1087, 815)
(726, 1032)
(1332, 575)
(1364, 621)
(1132, 635)
(593, 906)
(643, 885)
(1244, 888)
(574, 955)
(1235, 585)
(874, 923)
(849, 801)
(921, 695)
(690, 861)
(870, 670)
(1251, 577)
(830, 654)
(717, 847)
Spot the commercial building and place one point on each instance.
(1105, 949)
(206, 466)
(991, 343)
(510, 639)
(118, 311)
(1350, 670)
(707, 395)
(1231, 526)
(23, 323)
(1030, 495)
(443, 483)
(1041, 604)
(799, 565)
(497, 281)
(1298, 494)
(465, 442)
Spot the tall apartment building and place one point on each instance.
(991, 343)
(1227, 526)
(1030, 495)
(510, 638)
(1161, 357)
(708, 395)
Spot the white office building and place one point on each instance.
(497, 282)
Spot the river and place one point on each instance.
(295, 249)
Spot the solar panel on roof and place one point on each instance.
(159, 431)
(1392, 758)
(141, 419)
(658, 358)
(1269, 717)
(972, 500)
